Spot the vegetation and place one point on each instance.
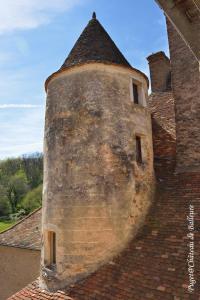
(5, 225)
(20, 187)
(33, 199)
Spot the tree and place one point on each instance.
(10, 166)
(5, 208)
(32, 200)
(33, 168)
(18, 176)
(16, 189)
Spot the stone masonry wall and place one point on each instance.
(186, 89)
(18, 268)
(95, 194)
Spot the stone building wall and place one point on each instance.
(18, 267)
(186, 90)
(95, 194)
(184, 15)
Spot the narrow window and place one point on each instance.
(135, 93)
(138, 150)
(52, 248)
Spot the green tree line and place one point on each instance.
(20, 185)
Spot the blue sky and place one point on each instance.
(36, 37)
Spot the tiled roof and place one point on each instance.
(94, 44)
(161, 105)
(32, 291)
(25, 234)
(164, 130)
(154, 265)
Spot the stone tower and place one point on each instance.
(98, 160)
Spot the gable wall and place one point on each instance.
(18, 268)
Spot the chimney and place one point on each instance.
(160, 72)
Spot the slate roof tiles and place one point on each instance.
(95, 45)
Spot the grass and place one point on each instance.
(5, 225)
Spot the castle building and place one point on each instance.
(121, 179)
(98, 159)
(184, 15)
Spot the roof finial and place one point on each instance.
(94, 15)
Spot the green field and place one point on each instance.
(5, 225)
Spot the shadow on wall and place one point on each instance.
(164, 146)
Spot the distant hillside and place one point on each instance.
(20, 185)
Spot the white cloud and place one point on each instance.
(6, 106)
(27, 14)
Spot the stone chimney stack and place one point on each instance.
(160, 72)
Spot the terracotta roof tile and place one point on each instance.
(32, 291)
(164, 130)
(162, 108)
(154, 264)
(25, 234)
(144, 269)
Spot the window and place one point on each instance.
(138, 150)
(52, 248)
(135, 93)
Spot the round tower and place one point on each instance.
(98, 159)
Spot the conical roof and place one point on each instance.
(95, 45)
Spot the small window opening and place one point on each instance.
(135, 93)
(52, 248)
(138, 150)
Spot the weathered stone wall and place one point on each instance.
(95, 194)
(184, 15)
(186, 89)
(160, 72)
(18, 267)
